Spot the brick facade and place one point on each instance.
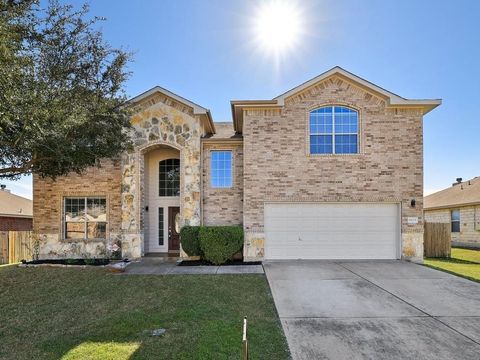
(48, 198)
(8, 223)
(389, 167)
(223, 206)
(271, 163)
(469, 234)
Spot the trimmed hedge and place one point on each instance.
(220, 243)
(189, 237)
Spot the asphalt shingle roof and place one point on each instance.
(14, 205)
(465, 193)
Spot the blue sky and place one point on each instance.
(206, 52)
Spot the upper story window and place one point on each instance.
(85, 217)
(169, 177)
(333, 130)
(455, 219)
(221, 169)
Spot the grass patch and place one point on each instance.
(472, 256)
(463, 262)
(55, 313)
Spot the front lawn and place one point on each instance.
(53, 313)
(463, 262)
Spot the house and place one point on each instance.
(16, 212)
(331, 169)
(458, 205)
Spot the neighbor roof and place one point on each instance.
(393, 99)
(224, 132)
(461, 194)
(14, 205)
(197, 109)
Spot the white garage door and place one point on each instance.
(331, 231)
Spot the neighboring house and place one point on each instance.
(332, 169)
(15, 211)
(458, 205)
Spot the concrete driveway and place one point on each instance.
(375, 310)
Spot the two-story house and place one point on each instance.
(332, 169)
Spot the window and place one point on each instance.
(169, 177)
(333, 130)
(221, 169)
(160, 226)
(455, 220)
(85, 218)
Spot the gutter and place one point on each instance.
(449, 206)
(17, 216)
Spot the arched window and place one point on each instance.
(333, 130)
(169, 177)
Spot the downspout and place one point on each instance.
(201, 181)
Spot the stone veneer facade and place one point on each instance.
(278, 167)
(157, 121)
(469, 234)
(271, 163)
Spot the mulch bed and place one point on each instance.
(91, 262)
(206, 263)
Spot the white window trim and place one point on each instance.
(232, 170)
(358, 133)
(64, 222)
(452, 221)
(179, 182)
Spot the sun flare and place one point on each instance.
(278, 26)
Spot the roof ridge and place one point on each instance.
(7, 191)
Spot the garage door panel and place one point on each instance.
(310, 252)
(331, 231)
(286, 224)
(351, 224)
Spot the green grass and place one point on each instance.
(55, 313)
(466, 255)
(463, 262)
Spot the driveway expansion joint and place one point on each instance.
(408, 303)
(374, 310)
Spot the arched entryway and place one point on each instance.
(162, 184)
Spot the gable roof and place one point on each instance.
(392, 99)
(14, 205)
(197, 109)
(461, 194)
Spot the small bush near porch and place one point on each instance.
(215, 244)
(59, 313)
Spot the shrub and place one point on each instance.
(189, 238)
(220, 243)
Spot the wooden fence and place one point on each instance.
(437, 240)
(15, 246)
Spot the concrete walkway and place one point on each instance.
(164, 266)
(375, 310)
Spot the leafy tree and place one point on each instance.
(61, 90)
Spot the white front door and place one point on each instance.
(331, 231)
(161, 192)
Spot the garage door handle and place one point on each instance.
(300, 239)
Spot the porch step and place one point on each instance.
(170, 256)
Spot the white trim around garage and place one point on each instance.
(332, 230)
